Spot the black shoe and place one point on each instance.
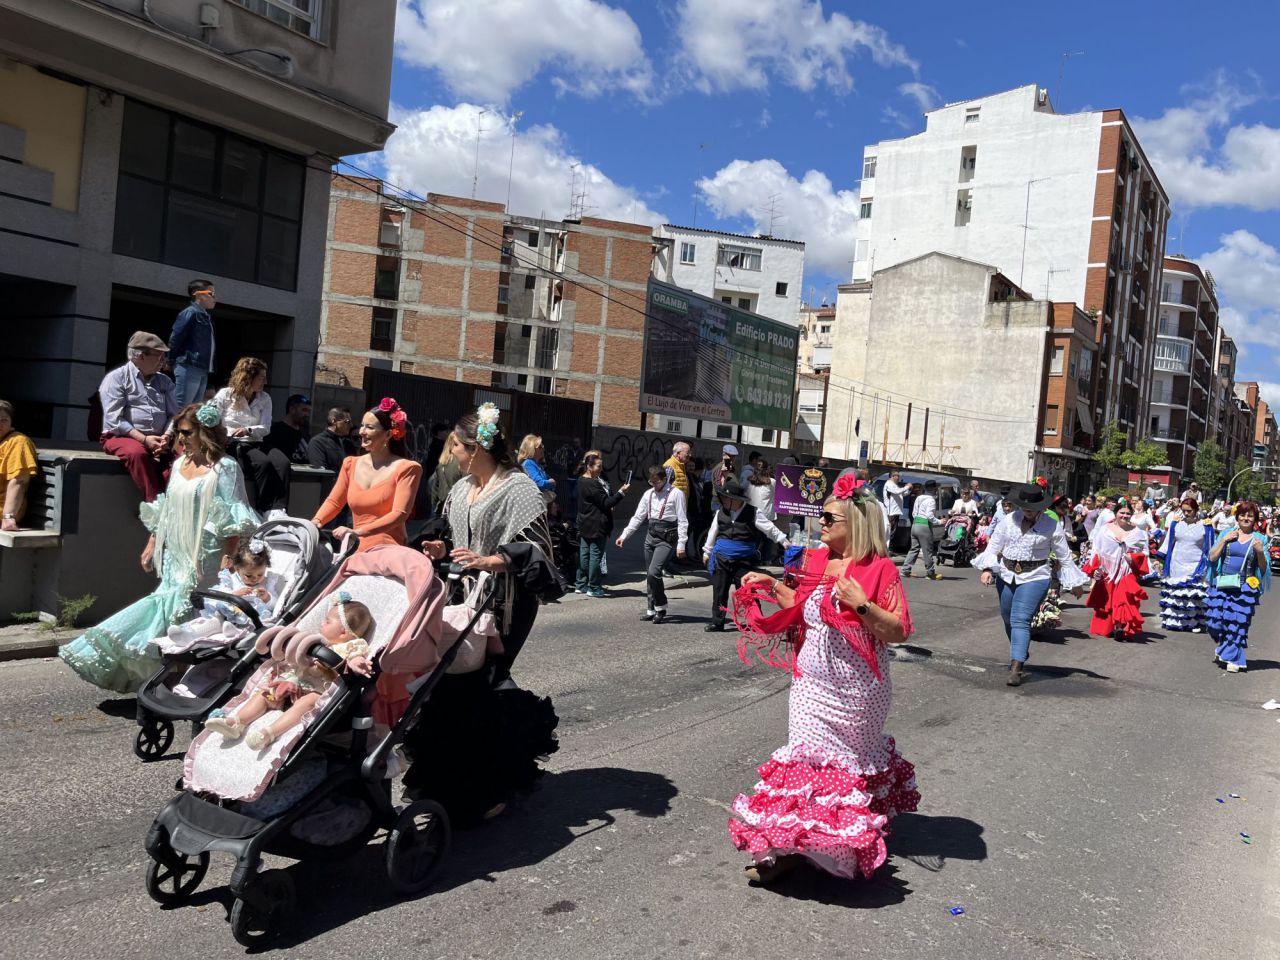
(659, 616)
(713, 627)
(648, 615)
(1015, 673)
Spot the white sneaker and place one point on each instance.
(1235, 668)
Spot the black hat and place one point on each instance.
(1030, 497)
(1005, 490)
(732, 487)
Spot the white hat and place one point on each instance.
(730, 449)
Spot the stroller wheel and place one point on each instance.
(254, 925)
(171, 882)
(417, 845)
(153, 739)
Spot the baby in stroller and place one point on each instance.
(249, 576)
(297, 681)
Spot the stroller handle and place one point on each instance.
(240, 603)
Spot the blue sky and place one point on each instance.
(739, 111)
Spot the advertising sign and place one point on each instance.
(706, 359)
(801, 491)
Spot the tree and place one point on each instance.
(1210, 468)
(1250, 485)
(1111, 450)
(1145, 454)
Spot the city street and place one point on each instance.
(1074, 817)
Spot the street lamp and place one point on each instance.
(1249, 469)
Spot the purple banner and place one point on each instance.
(801, 491)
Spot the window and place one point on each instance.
(779, 289)
(971, 115)
(548, 343)
(724, 432)
(1055, 365)
(740, 258)
(1051, 420)
(968, 162)
(868, 168)
(406, 366)
(533, 238)
(530, 281)
(502, 294)
(194, 196)
(300, 16)
(964, 207)
(386, 281)
(1166, 293)
(1066, 423)
(687, 252)
(389, 231)
(864, 210)
(1072, 364)
(382, 332)
(728, 300)
(825, 328)
(766, 436)
(674, 426)
(744, 303)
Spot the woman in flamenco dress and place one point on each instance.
(827, 797)
(1119, 559)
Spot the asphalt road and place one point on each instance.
(1072, 817)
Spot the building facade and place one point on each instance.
(943, 363)
(1234, 426)
(150, 144)
(1067, 206)
(1185, 390)
(817, 333)
(461, 290)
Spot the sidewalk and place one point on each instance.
(28, 641)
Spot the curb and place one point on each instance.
(29, 647)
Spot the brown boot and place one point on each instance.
(764, 873)
(1015, 673)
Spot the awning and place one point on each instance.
(1083, 417)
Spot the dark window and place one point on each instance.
(195, 196)
(382, 333)
(502, 294)
(386, 281)
(744, 303)
(533, 238)
(530, 282)
(780, 289)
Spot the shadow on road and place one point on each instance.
(930, 842)
(884, 889)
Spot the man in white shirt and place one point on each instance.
(1107, 513)
(894, 488)
(662, 507)
(923, 512)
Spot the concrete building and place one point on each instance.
(1234, 428)
(461, 290)
(811, 400)
(1184, 389)
(1065, 205)
(1265, 437)
(944, 363)
(760, 274)
(817, 333)
(147, 144)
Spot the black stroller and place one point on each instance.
(957, 542)
(340, 786)
(190, 684)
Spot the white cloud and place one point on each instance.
(486, 51)
(434, 151)
(731, 46)
(1243, 169)
(808, 209)
(925, 96)
(1247, 270)
(1271, 393)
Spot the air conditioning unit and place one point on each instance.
(1042, 97)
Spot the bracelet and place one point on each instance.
(10, 516)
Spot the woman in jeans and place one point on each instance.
(1017, 562)
(595, 521)
(663, 508)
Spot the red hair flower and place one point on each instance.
(845, 486)
(388, 404)
(1042, 483)
(399, 417)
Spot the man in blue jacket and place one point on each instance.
(191, 344)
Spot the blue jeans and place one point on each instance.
(1018, 604)
(189, 384)
(589, 554)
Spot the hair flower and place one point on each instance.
(846, 486)
(388, 404)
(342, 597)
(209, 415)
(257, 546)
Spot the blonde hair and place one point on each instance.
(865, 525)
(528, 447)
(446, 455)
(588, 458)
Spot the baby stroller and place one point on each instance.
(190, 684)
(956, 544)
(318, 789)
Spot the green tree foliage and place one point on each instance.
(1210, 467)
(1111, 450)
(1250, 485)
(1145, 455)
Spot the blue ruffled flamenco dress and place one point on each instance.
(1228, 610)
(190, 521)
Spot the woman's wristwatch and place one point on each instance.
(862, 609)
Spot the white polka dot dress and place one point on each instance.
(830, 793)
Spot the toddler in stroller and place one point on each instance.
(250, 577)
(957, 543)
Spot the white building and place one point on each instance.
(760, 274)
(1066, 206)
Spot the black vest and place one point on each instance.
(744, 528)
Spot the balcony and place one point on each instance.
(1167, 397)
(1173, 354)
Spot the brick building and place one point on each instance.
(461, 290)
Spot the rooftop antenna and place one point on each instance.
(1062, 69)
(511, 165)
(772, 209)
(475, 175)
(701, 147)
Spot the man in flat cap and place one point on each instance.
(138, 405)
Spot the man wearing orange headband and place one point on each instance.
(191, 343)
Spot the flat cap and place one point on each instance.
(147, 341)
(730, 449)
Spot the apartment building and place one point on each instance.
(758, 273)
(461, 290)
(1234, 426)
(945, 363)
(1066, 205)
(1264, 436)
(147, 144)
(817, 333)
(1185, 390)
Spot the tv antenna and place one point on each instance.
(772, 209)
(1062, 69)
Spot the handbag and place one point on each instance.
(1232, 581)
(455, 619)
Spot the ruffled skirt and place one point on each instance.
(1182, 605)
(118, 654)
(1227, 616)
(1117, 607)
(825, 807)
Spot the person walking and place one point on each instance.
(192, 343)
(1240, 574)
(1119, 558)
(1017, 560)
(138, 405)
(732, 545)
(595, 521)
(1185, 558)
(530, 458)
(662, 508)
(924, 511)
(894, 489)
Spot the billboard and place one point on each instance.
(706, 359)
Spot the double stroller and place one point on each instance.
(323, 787)
(957, 543)
(191, 683)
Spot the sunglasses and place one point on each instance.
(184, 432)
(829, 519)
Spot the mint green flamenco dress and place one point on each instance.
(190, 521)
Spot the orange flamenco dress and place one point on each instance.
(379, 513)
(1116, 600)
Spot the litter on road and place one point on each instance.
(957, 911)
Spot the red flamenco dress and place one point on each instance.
(1116, 597)
(830, 793)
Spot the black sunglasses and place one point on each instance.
(829, 518)
(184, 433)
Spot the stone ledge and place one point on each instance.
(29, 539)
